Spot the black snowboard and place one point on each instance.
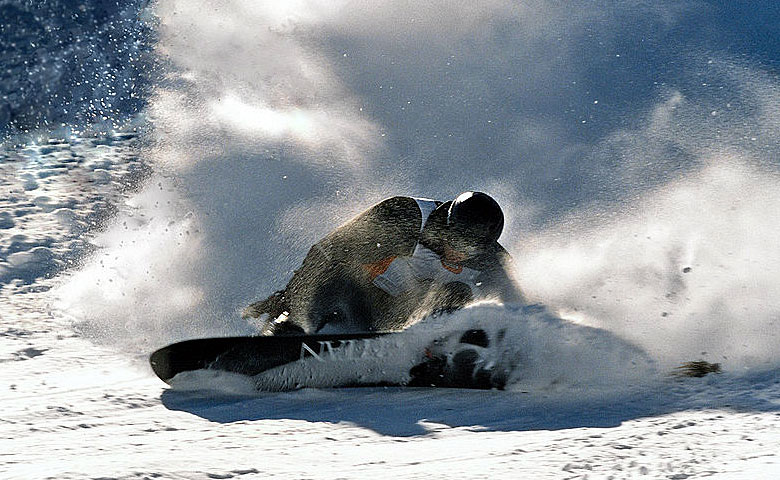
(246, 355)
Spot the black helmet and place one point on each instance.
(475, 218)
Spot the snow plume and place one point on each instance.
(595, 125)
(687, 269)
(74, 64)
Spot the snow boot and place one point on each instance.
(468, 366)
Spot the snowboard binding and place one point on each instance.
(468, 366)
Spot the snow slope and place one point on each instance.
(633, 146)
(74, 410)
(578, 407)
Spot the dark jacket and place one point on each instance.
(335, 283)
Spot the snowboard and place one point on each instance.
(450, 362)
(250, 355)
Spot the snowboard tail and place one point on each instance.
(246, 355)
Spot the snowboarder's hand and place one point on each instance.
(253, 311)
(274, 306)
(451, 297)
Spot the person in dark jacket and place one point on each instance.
(400, 259)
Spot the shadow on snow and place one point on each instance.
(398, 411)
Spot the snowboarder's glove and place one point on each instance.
(451, 297)
(274, 306)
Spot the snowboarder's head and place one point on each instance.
(474, 221)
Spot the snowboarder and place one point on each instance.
(402, 258)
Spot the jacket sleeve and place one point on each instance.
(498, 279)
(388, 229)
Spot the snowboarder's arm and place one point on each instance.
(388, 229)
(498, 281)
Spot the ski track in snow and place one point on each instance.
(76, 409)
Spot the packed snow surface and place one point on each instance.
(166, 163)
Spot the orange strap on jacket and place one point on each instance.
(376, 269)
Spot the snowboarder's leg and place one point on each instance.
(341, 305)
